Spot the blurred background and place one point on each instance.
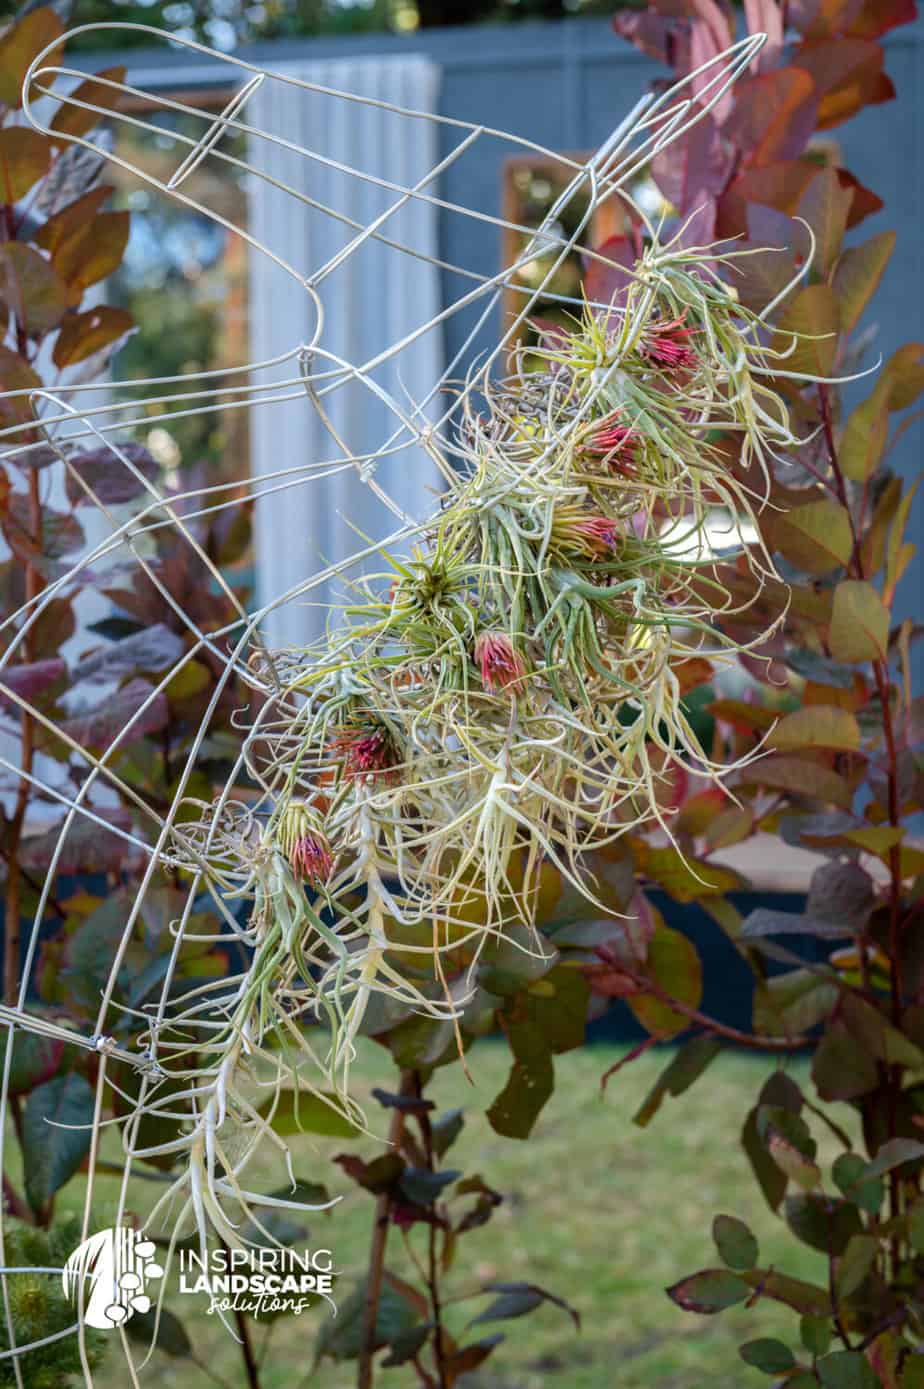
(205, 299)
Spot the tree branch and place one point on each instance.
(366, 1369)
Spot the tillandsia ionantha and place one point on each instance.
(505, 698)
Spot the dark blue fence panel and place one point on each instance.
(728, 992)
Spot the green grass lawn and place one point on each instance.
(601, 1212)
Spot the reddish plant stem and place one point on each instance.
(251, 1369)
(366, 1368)
(884, 689)
(832, 1284)
(426, 1378)
(840, 482)
(13, 1204)
(250, 1364)
(638, 1050)
(856, 568)
(720, 1029)
(741, 1039)
(16, 1116)
(842, 1137)
(433, 1267)
(34, 586)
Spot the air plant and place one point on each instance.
(505, 698)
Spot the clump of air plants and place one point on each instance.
(505, 698)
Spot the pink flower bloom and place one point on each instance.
(305, 844)
(501, 665)
(311, 859)
(667, 344)
(589, 534)
(616, 443)
(368, 751)
(599, 535)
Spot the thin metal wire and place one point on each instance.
(64, 416)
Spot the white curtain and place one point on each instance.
(377, 297)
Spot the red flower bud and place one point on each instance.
(501, 665)
(311, 859)
(598, 535)
(305, 844)
(666, 344)
(367, 751)
(617, 444)
(586, 533)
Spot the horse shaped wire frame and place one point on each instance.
(66, 417)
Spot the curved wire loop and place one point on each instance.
(219, 852)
